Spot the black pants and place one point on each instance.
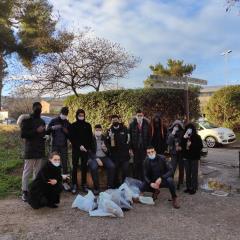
(63, 151)
(138, 160)
(191, 168)
(123, 167)
(166, 183)
(110, 167)
(177, 160)
(76, 154)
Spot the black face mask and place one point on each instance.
(116, 124)
(37, 112)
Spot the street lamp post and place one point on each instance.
(225, 54)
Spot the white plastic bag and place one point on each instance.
(134, 185)
(128, 192)
(106, 207)
(85, 203)
(146, 200)
(119, 197)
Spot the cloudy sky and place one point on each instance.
(155, 30)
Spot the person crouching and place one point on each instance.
(158, 174)
(46, 188)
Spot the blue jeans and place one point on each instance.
(166, 183)
(110, 167)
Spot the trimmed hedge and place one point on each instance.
(99, 106)
(225, 101)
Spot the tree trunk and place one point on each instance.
(2, 75)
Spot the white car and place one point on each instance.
(214, 135)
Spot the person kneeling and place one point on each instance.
(158, 174)
(99, 158)
(46, 188)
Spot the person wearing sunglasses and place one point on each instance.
(158, 174)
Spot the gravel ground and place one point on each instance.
(201, 216)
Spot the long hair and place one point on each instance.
(160, 123)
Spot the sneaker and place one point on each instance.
(66, 187)
(175, 203)
(25, 196)
(74, 189)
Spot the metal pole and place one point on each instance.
(186, 100)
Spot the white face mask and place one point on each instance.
(98, 133)
(63, 117)
(139, 119)
(189, 131)
(56, 164)
(152, 156)
(175, 128)
(80, 118)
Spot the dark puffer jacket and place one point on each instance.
(135, 134)
(59, 137)
(158, 167)
(34, 141)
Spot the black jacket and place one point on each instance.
(80, 133)
(158, 167)
(135, 134)
(41, 192)
(121, 139)
(59, 137)
(194, 152)
(34, 141)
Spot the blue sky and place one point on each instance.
(155, 30)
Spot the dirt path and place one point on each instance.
(202, 216)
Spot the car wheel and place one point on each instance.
(211, 142)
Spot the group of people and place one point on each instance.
(143, 140)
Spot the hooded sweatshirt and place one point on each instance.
(80, 133)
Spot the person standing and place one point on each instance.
(174, 141)
(81, 138)
(140, 138)
(159, 133)
(33, 131)
(99, 157)
(118, 140)
(191, 147)
(58, 128)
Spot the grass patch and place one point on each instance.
(10, 160)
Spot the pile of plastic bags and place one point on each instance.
(112, 202)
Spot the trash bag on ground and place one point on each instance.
(134, 185)
(119, 197)
(146, 200)
(106, 207)
(128, 192)
(85, 203)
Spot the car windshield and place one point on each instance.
(208, 125)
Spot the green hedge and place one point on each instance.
(99, 106)
(223, 108)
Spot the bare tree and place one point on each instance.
(20, 101)
(88, 61)
(231, 4)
